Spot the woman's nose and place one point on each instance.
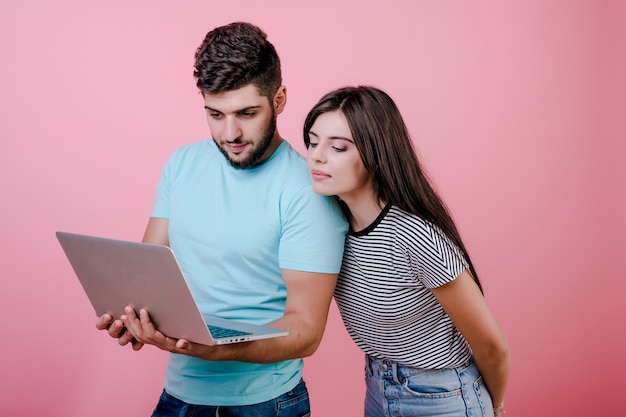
(316, 154)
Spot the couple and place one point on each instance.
(242, 207)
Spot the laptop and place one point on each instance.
(117, 273)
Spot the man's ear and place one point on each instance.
(280, 99)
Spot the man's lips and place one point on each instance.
(235, 147)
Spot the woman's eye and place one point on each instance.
(312, 144)
(337, 149)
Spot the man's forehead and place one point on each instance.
(235, 100)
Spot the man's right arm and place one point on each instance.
(156, 233)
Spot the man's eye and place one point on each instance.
(248, 114)
(216, 115)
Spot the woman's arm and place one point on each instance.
(464, 303)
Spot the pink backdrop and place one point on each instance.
(517, 108)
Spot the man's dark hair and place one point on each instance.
(234, 56)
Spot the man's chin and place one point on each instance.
(237, 163)
(238, 160)
(242, 161)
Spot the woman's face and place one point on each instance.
(334, 161)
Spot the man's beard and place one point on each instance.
(258, 152)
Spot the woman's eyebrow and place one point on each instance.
(336, 137)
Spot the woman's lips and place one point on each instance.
(319, 175)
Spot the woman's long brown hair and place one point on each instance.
(387, 151)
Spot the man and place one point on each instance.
(254, 240)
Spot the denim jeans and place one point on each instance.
(394, 390)
(294, 403)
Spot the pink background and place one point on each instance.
(517, 108)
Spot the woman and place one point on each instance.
(408, 293)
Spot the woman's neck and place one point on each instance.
(363, 211)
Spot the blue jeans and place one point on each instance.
(294, 403)
(394, 390)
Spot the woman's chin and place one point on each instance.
(320, 189)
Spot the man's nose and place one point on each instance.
(232, 130)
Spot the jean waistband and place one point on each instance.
(381, 367)
(385, 367)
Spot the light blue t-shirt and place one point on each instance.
(232, 231)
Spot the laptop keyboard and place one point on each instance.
(219, 332)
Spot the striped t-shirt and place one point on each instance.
(383, 291)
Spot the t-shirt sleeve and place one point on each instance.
(313, 233)
(439, 260)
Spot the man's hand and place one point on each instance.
(142, 330)
(116, 330)
(156, 233)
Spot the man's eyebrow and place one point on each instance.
(245, 109)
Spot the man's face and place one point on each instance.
(243, 125)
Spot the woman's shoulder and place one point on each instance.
(412, 226)
(404, 219)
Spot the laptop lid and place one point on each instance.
(117, 273)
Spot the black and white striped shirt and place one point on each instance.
(383, 291)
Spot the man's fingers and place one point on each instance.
(125, 338)
(116, 329)
(136, 344)
(104, 321)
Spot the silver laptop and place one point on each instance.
(116, 273)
